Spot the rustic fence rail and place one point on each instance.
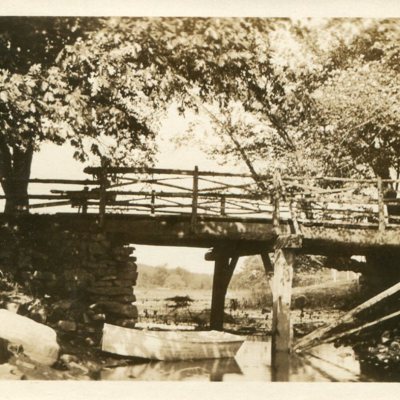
(300, 200)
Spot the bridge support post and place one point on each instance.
(223, 271)
(281, 297)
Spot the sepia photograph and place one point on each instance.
(199, 198)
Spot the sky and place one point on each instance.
(57, 162)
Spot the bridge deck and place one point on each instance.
(243, 236)
(205, 209)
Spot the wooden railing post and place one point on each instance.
(85, 200)
(381, 206)
(293, 216)
(103, 192)
(195, 194)
(276, 201)
(223, 205)
(153, 202)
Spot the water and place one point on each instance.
(324, 363)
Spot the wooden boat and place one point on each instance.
(169, 345)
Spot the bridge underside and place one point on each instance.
(230, 238)
(240, 236)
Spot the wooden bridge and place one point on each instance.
(234, 214)
(203, 209)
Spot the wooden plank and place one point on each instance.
(328, 179)
(228, 185)
(281, 299)
(238, 206)
(244, 249)
(362, 226)
(164, 171)
(360, 328)
(223, 187)
(171, 185)
(345, 201)
(50, 204)
(58, 181)
(347, 317)
(188, 194)
(42, 197)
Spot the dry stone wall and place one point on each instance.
(82, 279)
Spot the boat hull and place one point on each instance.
(169, 346)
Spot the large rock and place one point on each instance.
(38, 341)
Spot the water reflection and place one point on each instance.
(213, 370)
(324, 363)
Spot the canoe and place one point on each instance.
(169, 345)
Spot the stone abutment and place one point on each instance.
(81, 279)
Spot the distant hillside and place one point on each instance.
(172, 278)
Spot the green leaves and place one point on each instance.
(305, 95)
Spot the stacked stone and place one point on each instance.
(82, 279)
(111, 293)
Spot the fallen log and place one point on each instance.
(318, 334)
(39, 341)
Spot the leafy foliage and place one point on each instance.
(358, 104)
(320, 99)
(172, 278)
(306, 96)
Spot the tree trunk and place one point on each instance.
(15, 169)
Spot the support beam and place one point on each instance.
(267, 263)
(281, 297)
(319, 333)
(280, 366)
(223, 271)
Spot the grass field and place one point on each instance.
(323, 302)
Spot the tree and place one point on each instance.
(309, 97)
(252, 276)
(160, 276)
(29, 83)
(90, 82)
(280, 91)
(358, 104)
(174, 281)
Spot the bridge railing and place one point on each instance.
(345, 201)
(192, 192)
(153, 191)
(300, 200)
